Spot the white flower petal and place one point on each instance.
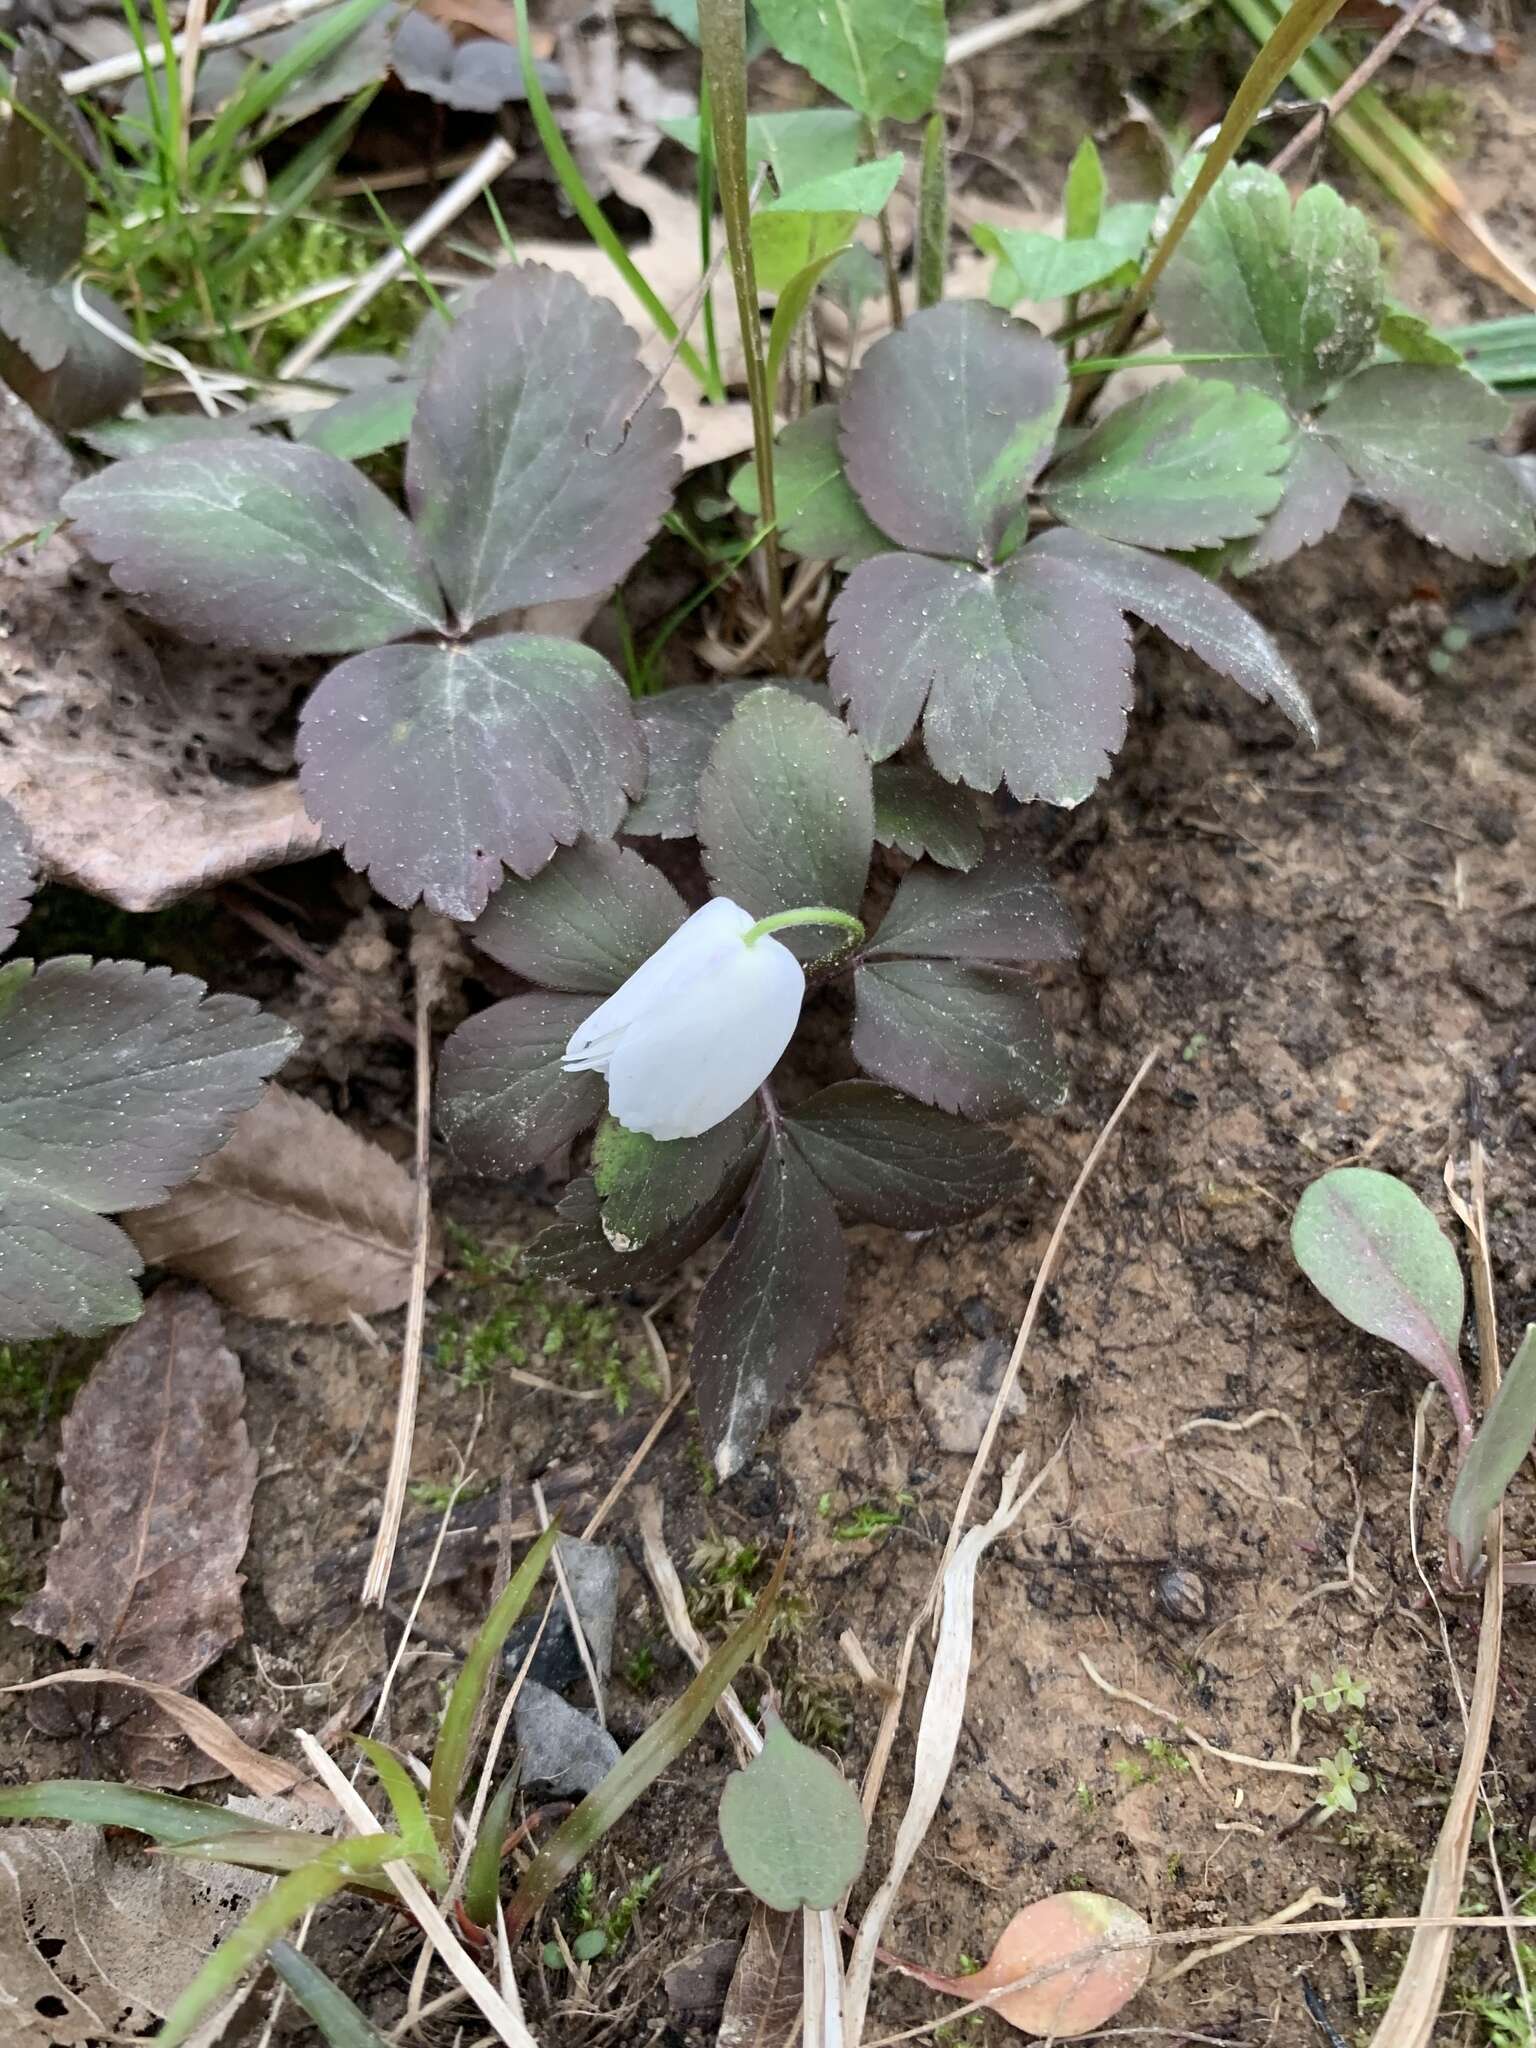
(686, 954)
(683, 1066)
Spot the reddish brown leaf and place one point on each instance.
(158, 1476)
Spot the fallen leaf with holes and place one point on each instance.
(299, 1218)
(1087, 1954)
(762, 2007)
(158, 1478)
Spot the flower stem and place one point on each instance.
(817, 913)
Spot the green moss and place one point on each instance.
(311, 252)
(1439, 115)
(39, 1380)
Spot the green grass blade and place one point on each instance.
(706, 192)
(160, 1815)
(482, 1880)
(642, 1764)
(269, 1919)
(788, 313)
(264, 85)
(1503, 352)
(275, 1850)
(586, 208)
(326, 2003)
(1496, 1454)
(450, 1759)
(405, 1803)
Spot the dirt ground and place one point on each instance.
(1332, 951)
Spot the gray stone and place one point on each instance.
(558, 1745)
(956, 1393)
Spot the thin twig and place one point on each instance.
(1188, 1734)
(376, 1585)
(497, 156)
(238, 28)
(615, 1492)
(989, 35)
(1362, 75)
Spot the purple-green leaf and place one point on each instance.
(434, 766)
(647, 1186)
(585, 922)
(534, 471)
(504, 1102)
(43, 197)
(1497, 1451)
(680, 726)
(1371, 1248)
(1412, 434)
(1006, 912)
(786, 813)
(1192, 611)
(116, 1080)
(819, 516)
(575, 1250)
(969, 1039)
(1317, 486)
(946, 424)
(60, 364)
(1186, 465)
(257, 543)
(1021, 675)
(887, 1159)
(920, 813)
(770, 1306)
(18, 875)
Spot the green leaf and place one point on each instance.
(1187, 465)
(326, 2003)
(770, 1306)
(450, 1758)
(969, 1039)
(1371, 1248)
(269, 1919)
(1300, 287)
(887, 1159)
(785, 245)
(410, 1816)
(1083, 195)
(1411, 339)
(787, 315)
(860, 189)
(946, 424)
(585, 922)
(797, 147)
(96, 1802)
(504, 1102)
(919, 813)
(882, 57)
(647, 1185)
(1497, 1451)
(574, 1249)
(680, 727)
(819, 516)
(116, 1081)
(1411, 434)
(1036, 266)
(792, 1825)
(787, 814)
(256, 543)
(363, 423)
(1502, 352)
(1005, 913)
(482, 1879)
(642, 1763)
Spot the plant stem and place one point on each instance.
(873, 139)
(723, 47)
(706, 240)
(933, 214)
(818, 913)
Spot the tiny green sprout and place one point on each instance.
(1194, 1047)
(1343, 1780)
(1339, 1691)
(870, 1519)
(640, 1669)
(1086, 1797)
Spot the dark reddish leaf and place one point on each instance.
(1005, 912)
(534, 471)
(888, 1159)
(585, 922)
(504, 1102)
(648, 1186)
(946, 424)
(680, 727)
(575, 1250)
(770, 1306)
(59, 363)
(43, 195)
(1317, 486)
(819, 516)
(970, 1039)
(920, 813)
(18, 875)
(435, 766)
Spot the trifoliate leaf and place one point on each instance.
(1371, 1248)
(257, 543)
(887, 1159)
(18, 875)
(1410, 432)
(533, 470)
(919, 813)
(883, 57)
(792, 1825)
(433, 765)
(115, 1080)
(1035, 266)
(969, 1039)
(583, 923)
(1497, 1451)
(1317, 486)
(679, 727)
(787, 814)
(946, 424)
(1299, 291)
(1005, 913)
(811, 142)
(819, 516)
(43, 193)
(770, 1306)
(1186, 465)
(649, 1185)
(504, 1102)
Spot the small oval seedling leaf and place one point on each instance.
(1497, 1452)
(792, 1825)
(1097, 1953)
(1371, 1248)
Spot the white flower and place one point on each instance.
(696, 1029)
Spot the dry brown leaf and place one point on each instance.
(299, 1218)
(158, 1477)
(762, 2007)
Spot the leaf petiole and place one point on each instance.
(816, 913)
